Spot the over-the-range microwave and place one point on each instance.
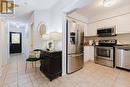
(104, 32)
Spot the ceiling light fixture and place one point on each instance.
(25, 3)
(108, 3)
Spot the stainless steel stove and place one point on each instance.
(104, 52)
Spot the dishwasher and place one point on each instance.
(122, 55)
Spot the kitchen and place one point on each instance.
(107, 33)
(95, 40)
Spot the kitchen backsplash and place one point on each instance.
(121, 39)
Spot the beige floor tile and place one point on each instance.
(45, 85)
(13, 84)
(26, 85)
(24, 81)
(121, 85)
(92, 75)
(10, 80)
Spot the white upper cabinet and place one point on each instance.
(122, 24)
(91, 30)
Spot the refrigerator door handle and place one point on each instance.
(76, 55)
(77, 38)
(76, 41)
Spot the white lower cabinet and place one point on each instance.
(88, 53)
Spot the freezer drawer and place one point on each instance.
(123, 58)
(75, 62)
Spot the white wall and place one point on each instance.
(39, 17)
(29, 35)
(57, 20)
(79, 17)
(26, 42)
(1, 47)
(21, 29)
(53, 23)
(4, 52)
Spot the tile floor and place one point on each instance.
(92, 75)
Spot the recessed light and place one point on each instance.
(108, 3)
(25, 3)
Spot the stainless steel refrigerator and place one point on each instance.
(75, 41)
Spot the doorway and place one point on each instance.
(15, 42)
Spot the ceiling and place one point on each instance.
(95, 7)
(25, 7)
(89, 8)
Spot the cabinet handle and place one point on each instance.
(127, 49)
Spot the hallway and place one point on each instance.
(14, 73)
(92, 75)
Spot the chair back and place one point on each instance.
(34, 54)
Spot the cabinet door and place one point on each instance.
(88, 53)
(123, 24)
(91, 30)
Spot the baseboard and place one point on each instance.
(0, 72)
(91, 60)
(63, 74)
(88, 61)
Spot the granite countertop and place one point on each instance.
(123, 46)
(89, 45)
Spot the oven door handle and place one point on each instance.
(126, 49)
(104, 47)
(100, 57)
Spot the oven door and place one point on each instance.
(104, 53)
